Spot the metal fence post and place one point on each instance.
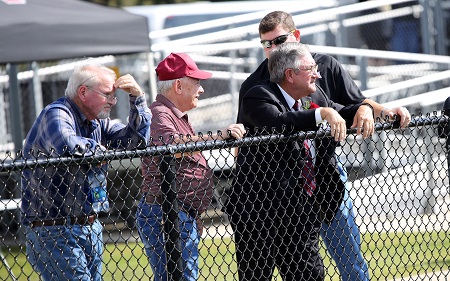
(16, 107)
(445, 132)
(171, 223)
(362, 75)
(427, 24)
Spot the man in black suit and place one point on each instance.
(276, 222)
(341, 236)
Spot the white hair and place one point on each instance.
(86, 72)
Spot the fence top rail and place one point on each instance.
(19, 164)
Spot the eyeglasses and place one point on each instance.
(109, 97)
(312, 69)
(276, 41)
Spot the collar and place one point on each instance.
(78, 113)
(289, 100)
(162, 99)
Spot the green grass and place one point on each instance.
(389, 255)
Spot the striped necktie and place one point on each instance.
(308, 173)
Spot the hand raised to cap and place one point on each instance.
(129, 85)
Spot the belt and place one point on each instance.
(86, 220)
(152, 199)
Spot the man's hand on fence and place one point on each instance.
(234, 130)
(364, 122)
(402, 112)
(337, 123)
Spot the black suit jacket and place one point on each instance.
(268, 176)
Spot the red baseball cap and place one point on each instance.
(179, 65)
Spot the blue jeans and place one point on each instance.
(149, 222)
(343, 240)
(66, 252)
(405, 38)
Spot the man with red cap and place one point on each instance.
(179, 89)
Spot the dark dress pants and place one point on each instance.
(285, 237)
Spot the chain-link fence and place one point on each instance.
(397, 199)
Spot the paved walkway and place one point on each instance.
(431, 222)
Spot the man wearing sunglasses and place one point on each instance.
(342, 236)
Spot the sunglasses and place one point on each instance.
(276, 41)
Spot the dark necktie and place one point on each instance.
(308, 167)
